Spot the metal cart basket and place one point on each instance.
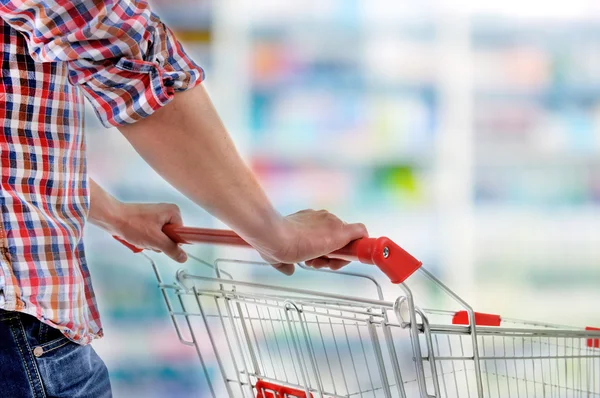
(268, 341)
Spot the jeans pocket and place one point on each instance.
(52, 345)
(71, 370)
(49, 339)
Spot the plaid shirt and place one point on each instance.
(128, 64)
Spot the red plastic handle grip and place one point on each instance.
(394, 261)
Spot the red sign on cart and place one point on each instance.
(270, 390)
(593, 343)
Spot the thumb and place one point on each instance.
(355, 231)
(181, 256)
(172, 250)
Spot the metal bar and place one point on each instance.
(340, 272)
(332, 377)
(209, 265)
(506, 320)
(431, 355)
(490, 358)
(352, 359)
(377, 303)
(337, 350)
(235, 332)
(505, 365)
(167, 301)
(212, 342)
(514, 332)
(277, 345)
(197, 347)
(394, 360)
(379, 357)
(542, 369)
(414, 334)
(439, 353)
(454, 366)
(362, 345)
(296, 343)
(266, 340)
(246, 335)
(485, 368)
(255, 355)
(472, 326)
(496, 365)
(311, 353)
(289, 347)
(462, 351)
(231, 353)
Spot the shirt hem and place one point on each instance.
(86, 339)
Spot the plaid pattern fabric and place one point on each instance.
(127, 64)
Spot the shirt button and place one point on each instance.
(38, 351)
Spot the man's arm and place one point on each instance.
(137, 223)
(187, 144)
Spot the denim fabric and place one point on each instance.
(37, 360)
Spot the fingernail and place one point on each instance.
(182, 257)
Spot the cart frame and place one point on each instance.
(300, 315)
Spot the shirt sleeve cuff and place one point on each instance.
(123, 91)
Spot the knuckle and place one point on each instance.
(360, 228)
(333, 218)
(328, 240)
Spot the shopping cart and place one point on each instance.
(264, 340)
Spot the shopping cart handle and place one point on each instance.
(394, 261)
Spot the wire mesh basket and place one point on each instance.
(271, 341)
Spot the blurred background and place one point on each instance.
(467, 131)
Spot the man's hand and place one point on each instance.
(306, 236)
(139, 224)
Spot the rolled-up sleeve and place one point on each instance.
(126, 61)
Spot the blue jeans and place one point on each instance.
(36, 361)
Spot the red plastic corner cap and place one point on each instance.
(393, 260)
(390, 258)
(593, 343)
(462, 318)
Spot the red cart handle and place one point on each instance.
(394, 261)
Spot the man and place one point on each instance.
(137, 77)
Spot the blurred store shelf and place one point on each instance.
(470, 136)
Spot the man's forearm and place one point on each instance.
(104, 209)
(188, 145)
